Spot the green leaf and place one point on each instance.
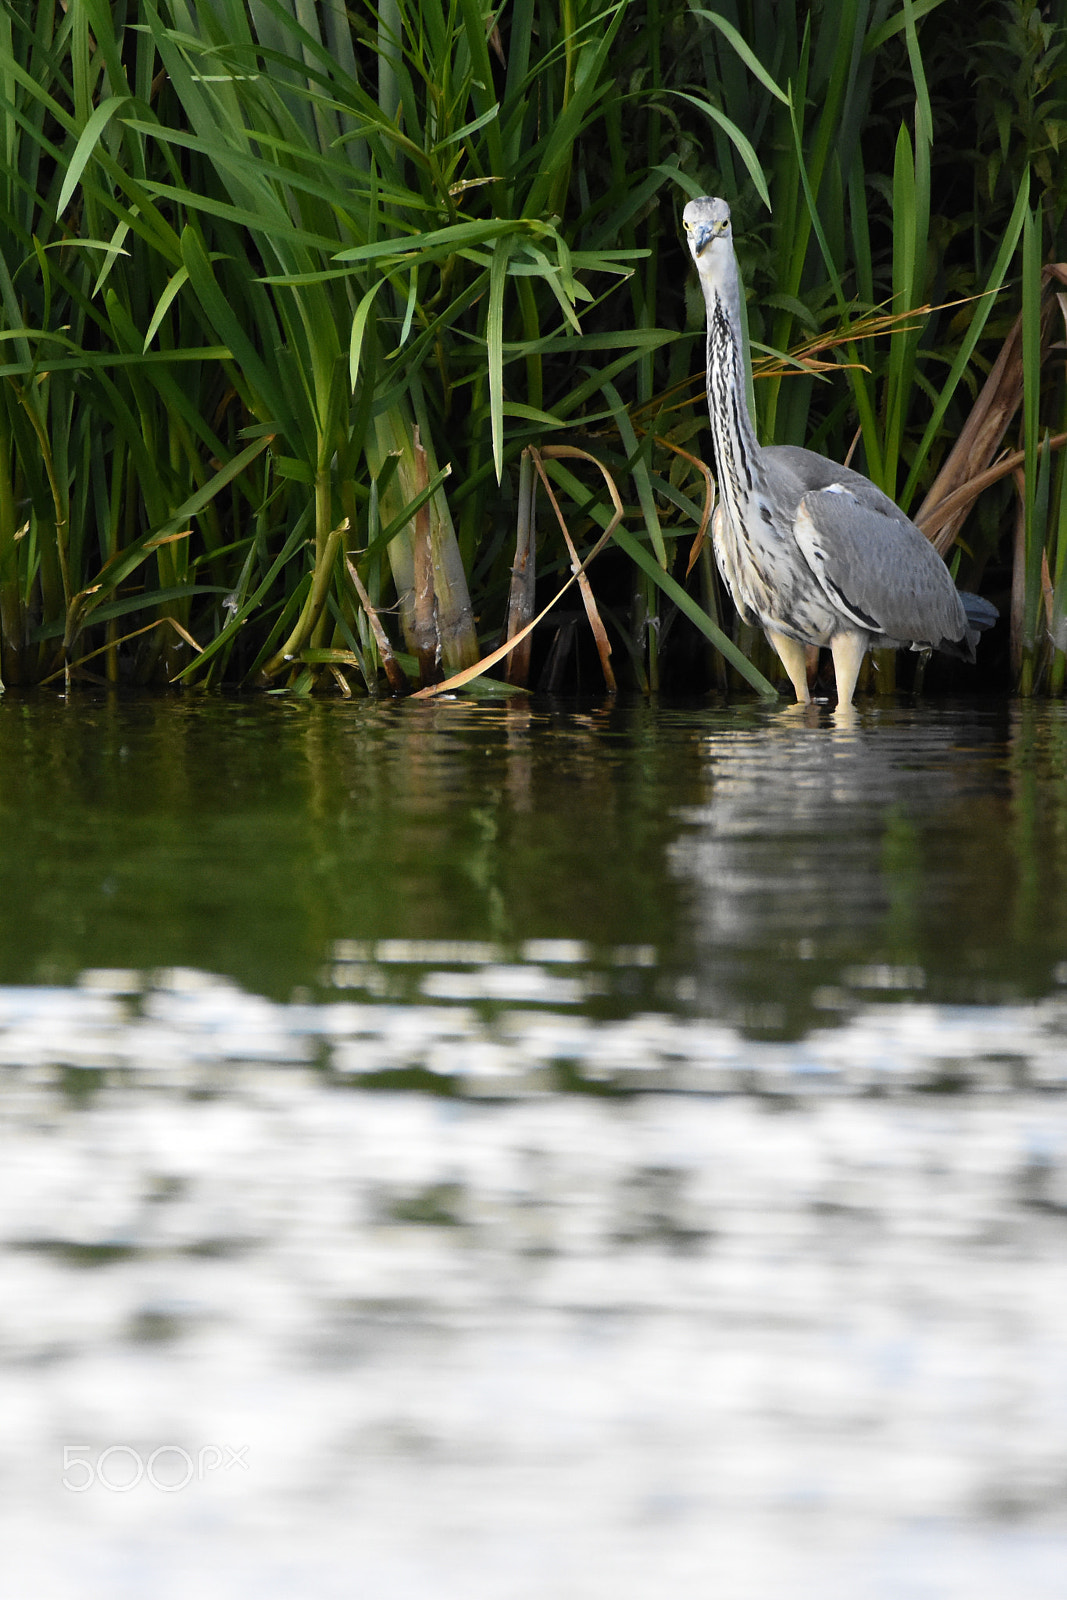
(83, 150)
(878, 36)
(635, 460)
(359, 329)
(741, 144)
(263, 386)
(987, 301)
(494, 338)
(439, 241)
(752, 62)
(175, 284)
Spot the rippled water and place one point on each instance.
(481, 1150)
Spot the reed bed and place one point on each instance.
(335, 341)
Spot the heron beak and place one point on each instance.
(700, 236)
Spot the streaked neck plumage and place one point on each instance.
(737, 452)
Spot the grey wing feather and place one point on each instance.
(802, 470)
(875, 565)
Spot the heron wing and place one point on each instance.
(875, 566)
(804, 470)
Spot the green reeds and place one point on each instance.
(287, 292)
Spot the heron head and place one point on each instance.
(707, 229)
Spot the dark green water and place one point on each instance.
(246, 838)
(766, 859)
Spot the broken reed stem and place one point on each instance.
(425, 635)
(523, 589)
(394, 672)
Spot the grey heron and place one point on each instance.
(813, 552)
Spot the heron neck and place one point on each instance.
(737, 451)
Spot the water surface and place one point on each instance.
(479, 1149)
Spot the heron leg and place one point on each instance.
(848, 650)
(794, 659)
